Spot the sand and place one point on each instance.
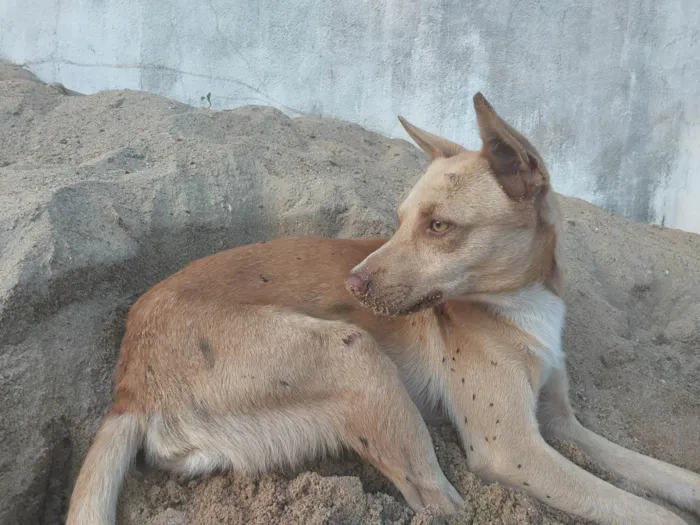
(103, 195)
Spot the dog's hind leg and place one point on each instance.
(677, 485)
(298, 388)
(381, 422)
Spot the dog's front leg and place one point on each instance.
(494, 407)
(679, 486)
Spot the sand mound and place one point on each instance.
(104, 195)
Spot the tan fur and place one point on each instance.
(258, 356)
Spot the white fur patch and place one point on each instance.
(540, 313)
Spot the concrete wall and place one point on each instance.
(609, 91)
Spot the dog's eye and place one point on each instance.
(439, 226)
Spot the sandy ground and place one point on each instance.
(101, 196)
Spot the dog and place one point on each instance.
(275, 353)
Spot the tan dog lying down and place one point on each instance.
(258, 356)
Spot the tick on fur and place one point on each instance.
(263, 278)
(364, 442)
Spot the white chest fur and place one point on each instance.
(540, 313)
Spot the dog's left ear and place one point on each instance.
(434, 146)
(512, 158)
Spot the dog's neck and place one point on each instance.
(537, 311)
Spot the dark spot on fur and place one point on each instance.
(263, 278)
(452, 369)
(498, 421)
(284, 383)
(443, 359)
(407, 478)
(442, 310)
(473, 397)
(462, 380)
(207, 351)
(494, 363)
(548, 496)
(490, 404)
(364, 442)
(519, 465)
(351, 338)
(471, 448)
(149, 372)
(465, 420)
(457, 350)
(341, 309)
(486, 438)
(493, 438)
(202, 414)
(454, 179)
(453, 358)
(526, 483)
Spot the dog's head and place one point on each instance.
(477, 222)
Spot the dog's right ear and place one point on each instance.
(434, 146)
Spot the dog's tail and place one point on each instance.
(94, 499)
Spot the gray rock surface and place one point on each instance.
(101, 196)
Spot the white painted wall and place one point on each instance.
(608, 91)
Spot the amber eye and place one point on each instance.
(439, 226)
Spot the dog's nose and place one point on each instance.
(357, 282)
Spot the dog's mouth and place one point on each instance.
(426, 302)
(394, 308)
